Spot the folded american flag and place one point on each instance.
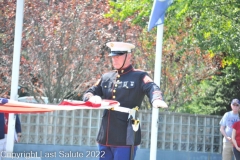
(88, 103)
(10, 106)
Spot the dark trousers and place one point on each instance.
(115, 152)
(236, 153)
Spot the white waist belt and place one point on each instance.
(125, 110)
(121, 109)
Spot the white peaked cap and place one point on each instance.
(120, 46)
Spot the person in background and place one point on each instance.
(4, 130)
(128, 86)
(226, 126)
(22, 91)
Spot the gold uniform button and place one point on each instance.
(122, 71)
(114, 97)
(114, 90)
(118, 76)
(105, 86)
(117, 80)
(115, 85)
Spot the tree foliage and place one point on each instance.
(215, 25)
(7, 17)
(63, 46)
(218, 93)
(214, 29)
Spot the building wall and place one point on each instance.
(176, 132)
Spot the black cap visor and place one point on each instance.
(117, 53)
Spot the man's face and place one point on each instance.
(235, 107)
(117, 61)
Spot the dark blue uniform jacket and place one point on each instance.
(2, 123)
(128, 87)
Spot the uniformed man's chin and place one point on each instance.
(116, 67)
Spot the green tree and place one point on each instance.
(219, 91)
(214, 29)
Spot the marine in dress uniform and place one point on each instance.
(128, 86)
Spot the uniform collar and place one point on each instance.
(125, 70)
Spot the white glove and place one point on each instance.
(159, 103)
(87, 96)
(95, 99)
